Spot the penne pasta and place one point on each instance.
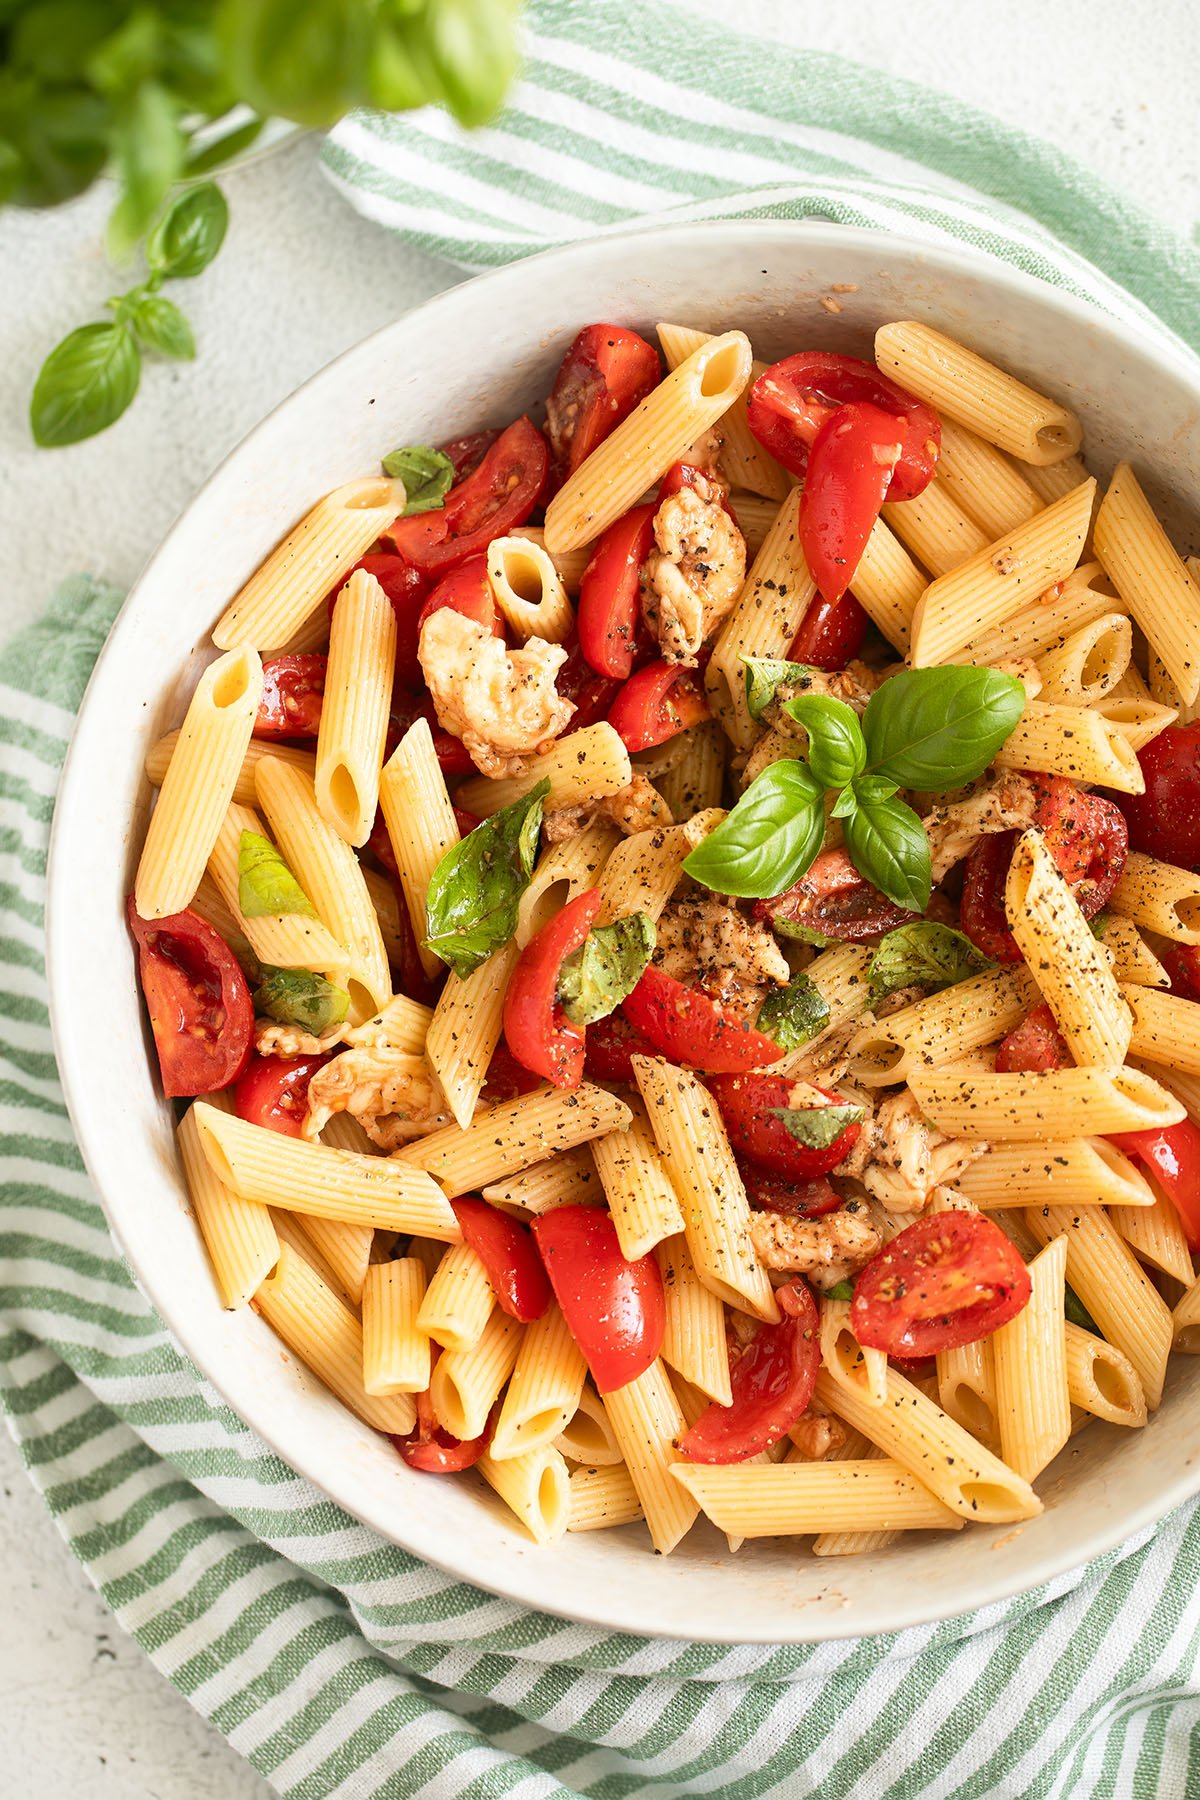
(965, 387)
(396, 1352)
(1158, 897)
(790, 1499)
(640, 1197)
(1032, 1398)
(589, 765)
(588, 1436)
(465, 1030)
(158, 761)
(529, 590)
(601, 1498)
(936, 530)
(466, 1384)
(848, 1363)
(354, 711)
(1089, 664)
(777, 593)
(281, 940)
(1156, 1236)
(742, 460)
(694, 1342)
(563, 872)
(420, 823)
(458, 1300)
(1153, 581)
(545, 1389)
(646, 1422)
(1102, 1380)
(1067, 1172)
(1133, 960)
(1185, 1322)
(984, 483)
(514, 1135)
(567, 1179)
(1078, 742)
(938, 1029)
(241, 1240)
(1026, 1108)
(1166, 1028)
(535, 1487)
(1137, 720)
(641, 874)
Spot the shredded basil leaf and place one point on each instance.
(765, 675)
(471, 908)
(427, 474)
(841, 1290)
(924, 954)
(298, 997)
(1101, 923)
(816, 1127)
(266, 886)
(801, 934)
(1078, 1313)
(793, 1015)
(606, 968)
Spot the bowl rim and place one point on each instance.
(409, 1530)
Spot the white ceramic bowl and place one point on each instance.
(478, 355)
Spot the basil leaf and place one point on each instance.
(428, 476)
(768, 839)
(148, 148)
(162, 327)
(471, 908)
(887, 844)
(304, 62)
(298, 997)
(793, 1015)
(1078, 1314)
(927, 955)
(189, 234)
(816, 1127)
(472, 48)
(1100, 923)
(873, 787)
(85, 383)
(219, 151)
(266, 886)
(765, 675)
(932, 729)
(802, 934)
(836, 751)
(841, 1290)
(606, 968)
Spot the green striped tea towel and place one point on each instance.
(336, 1663)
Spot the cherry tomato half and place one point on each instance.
(1172, 1156)
(685, 1025)
(830, 634)
(657, 703)
(494, 499)
(1036, 1043)
(614, 1309)
(200, 1009)
(793, 1199)
(792, 399)
(833, 899)
(606, 371)
(772, 1379)
(509, 1255)
(507, 1078)
(756, 1109)
(432, 1449)
(536, 1029)
(590, 694)
(466, 590)
(466, 453)
(272, 1091)
(1165, 820)
(609, 612)
(293, 691)
(944, 1281)
(1182, 963)
(850, 466)
(610, 1045)
(982, 914)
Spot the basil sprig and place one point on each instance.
(928, 729)
(816, 1127)
(606, 968)
(266, 886)
(428, 476)
(300, 997)
(471, 908)
(925, 954)
(793, 1015)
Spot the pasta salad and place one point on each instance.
(679, 935)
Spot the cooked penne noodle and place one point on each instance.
(1047, 622)
(569, 565)
(602, 1497)
(965, 387)
(1032, 1399)
(544, 1391)
(641, 874)
(535, 1487)
(1166, 1028)
(777, 593)
(396, 1353)
(1089, 664)
(694, 1342)
(742, 459)
(589, 765)
(158, 761)
(315, 557)
(790, 1499)
(1076, 741)
(403, 1024)
(198, 784)
(986, 590)
(354, 711)
(1185, 1322)
(1155, 1234)
(514, 1135)
(646, 1422)
(241, 1240)
(1067, 1172)
(388, 907)
(458, 1301)
(1133, 960)
(1137, 720)
(848, 1363)
(420, 823)
(465, 1030)
(696, 780)
(1151, 578)
(755, 515)
(291, 1230)
(1102, 1380)
(563, 872)
(208, 903)
(1026, 1108)
(529, 590)
(345, 1250)
(588, 1436)
(702, 1170)
(888, 584)
(936, 530)
(642, 448)
(1158, 897)
(938, 1029)
(466, 1384)
(565, 1179)
(984, 482)
(282, 940)
(640, 1197)
(1050, 481)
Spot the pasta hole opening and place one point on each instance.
(1188, 1340)
(721, 371)
(217, 1158)
(366, 496)
(587, 1436)
(550, 1494)
(543, 1424)
(972, 1411)
(344, 795)
(524, 577)
(989, 1500)
(547, 906)
(362, 1002)
(1061, 437)
(1112, 1386)
(876, 1059)
(1107, 659)
(231, 685)
(1187, 911)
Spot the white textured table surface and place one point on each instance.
(81, 1709)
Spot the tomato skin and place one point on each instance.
(982, 913)
(832, 898)
(850, 465)
(293, 692)
(686, 1026)
(830, 634)
(466, 590)
(506, 1077)
(606, 372)
(536, 1029)
(494, 499)
(590, 694)
(610, 1045)
(1182, 963)
(1172, 1156)
(656, 704)
(792, 1199)
(609, 609)
(432, 1449)
(772, 1380)
(466, 453)
(1165, 820)
(272, 1091)
(1036, 1043)
(200, 1009)
(509, 1255)
(466, 821)
(792, 399)
(615, 1309)
(943, 1281)
(749, 1105)
(407, 589)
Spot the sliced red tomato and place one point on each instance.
(785, 1135)
(272, 1091)
(685, 1025)
(466, 453)
(293, 691)
(407, 589)
(200, 1009)
(982, 914)
(850, 466)
(1036, 1043)
(507, 1078)
(590, 694)
(657, 703)
(466, 821)
(1086, 835)
(606, 371)
(944, 1281)
(611, 1042)
(685, 474)
(772, 1378)
(1182, 963)
(614, 1309)
(494, 499)
(1172, 1156)
(793, 1199)
(792, 399)
(1165, 820)
(432, 1449)
(609, 611)
(830, 634)
(536, 1029)
(466, 590)
(832, 899)
(509, 1255)
(453, 756)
